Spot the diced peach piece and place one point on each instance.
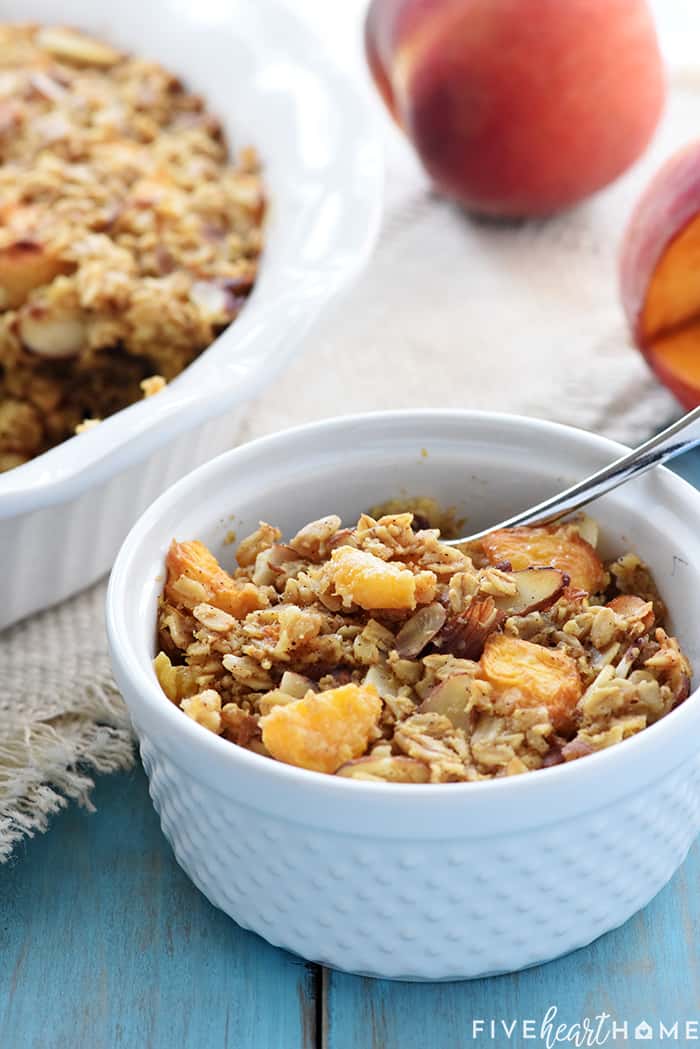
(324, 730)
(362, 579)
(538, 547)
(632, 607)
(205, 709)
(193, 561)
(24, 266)
(541, 676)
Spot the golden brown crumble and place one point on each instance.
(379, 653)
(128, 239)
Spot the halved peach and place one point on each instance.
(660, 274)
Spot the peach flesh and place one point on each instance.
(660, 275)
(515, 115)
(675, 359)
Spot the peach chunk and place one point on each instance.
(519, 108)
(195, 576)
(24, 266)
(565, 549)
(541, 676)
(362, 579)
(659, 274)
(325, 729)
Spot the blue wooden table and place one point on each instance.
(105, 944)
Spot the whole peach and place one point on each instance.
(519, 107)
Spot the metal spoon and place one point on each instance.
(665, 445)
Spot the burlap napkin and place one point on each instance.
(61, 717)
(450, 313)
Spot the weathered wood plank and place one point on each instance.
(647, 970)
(104, 943)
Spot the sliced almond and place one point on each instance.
(681, 688)
(604, 658)
(632, 607)
(389, 769)
(420, 629)
(68, 45)
(627, 660)
(383, 680)
(48, 87)
(214, 302)
(296, 684)
(465, 635)
(538, 588)
(587, 528)
(543, 546)
(274, 698)
(52, 336)
(344, 536)
(577, 748)
(280, 554)
(450, 698)
(553, 756)
(312, 541)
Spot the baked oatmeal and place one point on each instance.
(128, 238)
(379, 653)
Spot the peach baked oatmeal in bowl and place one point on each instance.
(398, 757)
(379, 653)
(129, 238)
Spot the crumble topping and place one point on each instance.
(379, 653)
(128, 237)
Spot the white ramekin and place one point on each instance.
(264, 73)
(428, 882)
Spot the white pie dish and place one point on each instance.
(424, 882)
(262, 71)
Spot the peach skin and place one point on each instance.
(660, 274)
(515, 108)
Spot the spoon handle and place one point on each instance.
(658, 449)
